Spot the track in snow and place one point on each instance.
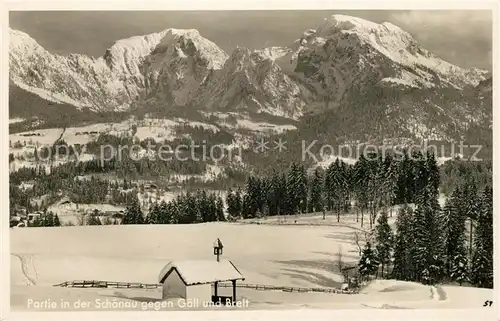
(25, 268)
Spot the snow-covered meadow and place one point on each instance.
(281, 255)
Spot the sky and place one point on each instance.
(460, 37)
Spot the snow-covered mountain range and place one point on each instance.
(325, 68)
(170, 64)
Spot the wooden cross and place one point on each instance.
(218, 248)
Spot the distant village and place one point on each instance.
(71, 213)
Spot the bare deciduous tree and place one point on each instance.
(340, 262)
(356, 239)
(367, 237)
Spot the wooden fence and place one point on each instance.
(263, 287)
(107, 284)
(260, 287)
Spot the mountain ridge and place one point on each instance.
(325, 69)
(130, 67)
(117, 78)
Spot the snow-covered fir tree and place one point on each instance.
(154, 214)
(368, 263)
(133, 213)
(459, 271)
(455, 238)
(428, 246)
(316, 200)
(403, 266)
(482, 260)
(384, 238)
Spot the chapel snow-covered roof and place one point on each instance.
(202, 271)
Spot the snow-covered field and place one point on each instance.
(70, 212)
(265, 254)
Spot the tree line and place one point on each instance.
(372, 183)
(198, 207)
(433, 245)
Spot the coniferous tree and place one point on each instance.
(162, 212)
(471, 205)
(360, 180)
(246, 210)
(368, 263)
(329, 187)
(405, 189)
(459, 271)
(275, 194)
(188, 206)
(204, 208)
(345, 176)
(455, 242)
(211, 205)
(385, 239)
(232, 209)
(433, 175)
(252, 198)
(428, 248)
(139, 215)
(375, 185)
(238, 202)
(133, 213)
(316, 192)
(170, 213)
(403, 265)
(421, 175)
(336, 187)
(285, 199)
(301, 187)
(153, 216)
(220, 210)
(265, 192)
(349, 185)
(291, 188)
(297, 188)
(390, 181)
(482, 260)
(420, 252)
